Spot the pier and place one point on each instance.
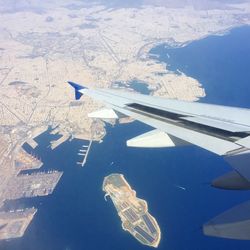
(61, 140)
(31, 185)
(84, 151)
(13, 224)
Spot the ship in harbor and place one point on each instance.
(132, 210)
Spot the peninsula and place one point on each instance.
(132, 210)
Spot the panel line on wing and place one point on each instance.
(177, 120)
(209, 142)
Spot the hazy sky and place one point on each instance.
(40, 6)
(170, 3)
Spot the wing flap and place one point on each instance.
(104, 114)
(154, 139)
(211, 143)
(244, 142)
(224, 125)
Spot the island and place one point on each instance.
(132, 210)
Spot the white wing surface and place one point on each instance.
(222, 130)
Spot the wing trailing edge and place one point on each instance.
(215, 123)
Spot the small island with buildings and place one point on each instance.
(132, 210)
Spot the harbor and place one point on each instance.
(22, 180)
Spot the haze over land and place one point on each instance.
(202, 4)
(44, 44)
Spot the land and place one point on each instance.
(132, 210)
(16, 184)
(44, 44)
(14, 223)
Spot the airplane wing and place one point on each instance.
(222, 130)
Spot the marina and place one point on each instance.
(84, 152)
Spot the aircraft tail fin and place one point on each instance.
(77, 88)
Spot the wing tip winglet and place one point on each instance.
(77, 88)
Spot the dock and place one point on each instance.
(84, 151)
(32, 143)
(62, 139)
(19, 180)
(32, 185)
(26, 161)
(13, 224)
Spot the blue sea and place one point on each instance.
(76, 215)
